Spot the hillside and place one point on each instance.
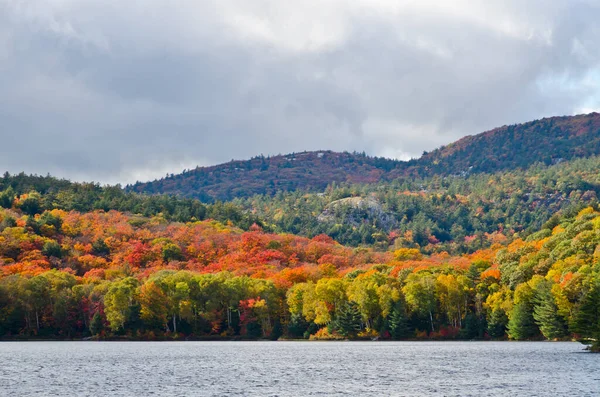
(268, 175)
(113, 275)
(549, 141)
(34, 194)
(453, 214)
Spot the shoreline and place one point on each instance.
(284, 340)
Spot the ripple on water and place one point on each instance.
(296, 369)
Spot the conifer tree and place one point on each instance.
(96, 325)
(521, 324)
(545, 313)
(7, 197)
(497, 321)
(348, 320)
(397, 322)
(587, 318)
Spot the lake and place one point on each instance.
(297, 369)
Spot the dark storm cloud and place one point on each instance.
(116, 91)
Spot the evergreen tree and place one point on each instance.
(8, 221)
(96, 325)
(52, 249)
(497, 322)
(297, 326)
(277, 330)
(99, 247)
(545, 313)
(521, 324)
(397, 322)
(31, 205)
(32, 224)
(253, 330)
(474, 327)
(6, 198)
(587, 318)
(348, 320)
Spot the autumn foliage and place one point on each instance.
(111, 274)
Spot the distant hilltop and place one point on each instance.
(548, 141)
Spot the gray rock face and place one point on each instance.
(357, 210)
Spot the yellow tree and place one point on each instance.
(154, 305)
(452, 293)
(118, 302)
(419, 292)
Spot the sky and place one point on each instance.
(118, 91)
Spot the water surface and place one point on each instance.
(297, 369)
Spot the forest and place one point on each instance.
(458, 214)
(515, 147)
(108, 274)
(46, 193)
(495, 236)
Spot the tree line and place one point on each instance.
(110, 274)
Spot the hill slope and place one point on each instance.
(267, 175)
(112, 275)
(548, 140)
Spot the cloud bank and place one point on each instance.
(117, 91)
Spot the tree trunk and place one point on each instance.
(195, 318)
(174, 324)
(431, 319)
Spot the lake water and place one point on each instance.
(297, 369)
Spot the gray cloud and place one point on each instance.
(118, 91)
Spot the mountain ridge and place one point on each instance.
(548, 140)
(535, 138)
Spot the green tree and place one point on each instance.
(96, 325)
(419, 292)
(521, 324)
(8, 221)
(545, 313)
(50, 220)
(497, 322)
(587, 318)
(7, 197)
(473, 327)
(172, 252)
(32, 204)
(348, 320)
(119, 302)
(99, 247)
(398, 322)
(52, 248)
(38, 297)
(32, 225)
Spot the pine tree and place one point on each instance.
(474, 327)
(397, 322)
(348, 320)
(546, 315)
(521, 324)
(497, 321)
(587, 318)
(96, 325)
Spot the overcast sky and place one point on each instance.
(119, 91)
